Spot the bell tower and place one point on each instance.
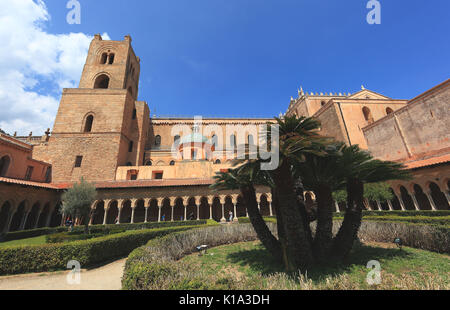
(111, 65)
(100, 125)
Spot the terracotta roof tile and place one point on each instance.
(144, 183)
(428, 162)
(28, 183)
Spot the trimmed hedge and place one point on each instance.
(25, 234)
(51, 257)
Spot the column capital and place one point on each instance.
(234, 198)
(160, 202)
(198, 200)
(185, 200)
(222, 199)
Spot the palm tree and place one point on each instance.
(360, 168)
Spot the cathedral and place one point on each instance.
(152, 169)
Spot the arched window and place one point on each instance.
(176, 140)
(111, 58)
(389, 111)
(104, 58)
(4, 165)
(233, 141)
(251, 140)
(218, 162)
(322, 103)
(158, 140)
(148, 163)
(172, 163)
(88, 123)
(102, 82)
(367, 115)
(214, 141)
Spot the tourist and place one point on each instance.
(231, 216)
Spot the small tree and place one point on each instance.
(77, 201)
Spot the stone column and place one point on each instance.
(402, 205)
(337, 207)
(379, 205)
(133, 209)
(270, 208)
(222, 203)
(210, 202)
(93, 207)
(414, 199)
(119, 206)
(24, 220)
(198, 202)
(185, 205)
(391, 208)
(447, 195)
(146, 206)
(430, 199)
(172, 206)
(160, 202)
(8, 221)
(106, 207)
(37, 219)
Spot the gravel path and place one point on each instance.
(107, 277)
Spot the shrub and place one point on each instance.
(50, 257)
(165, 251)
(157, 265)
(17, 235)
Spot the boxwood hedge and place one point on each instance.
(17, 235)
(51, 257)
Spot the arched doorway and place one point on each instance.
(241, 210)
(191, 210)
(438, 197)
(153, 211)
(178, 210)
(217, 209)
(395, 202)
(264, 204)
(17, 217)
(56, 217)
(139, 211)
(166, 211)
(33, 216)
(113, 212)
(229, 207)
(407, 200)
(44, 216)
(204, 208)
(421, 198)
(99, 213)
(125, 214)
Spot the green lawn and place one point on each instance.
(23, 242)
(251, 264)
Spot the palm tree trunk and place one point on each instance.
(348, 232)
(263, 232)
(280, 228)
(298, 250)
(324, 229)
(299, 190)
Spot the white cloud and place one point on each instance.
(34, 66)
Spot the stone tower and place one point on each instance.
(100, 125)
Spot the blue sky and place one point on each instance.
(247, 57)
